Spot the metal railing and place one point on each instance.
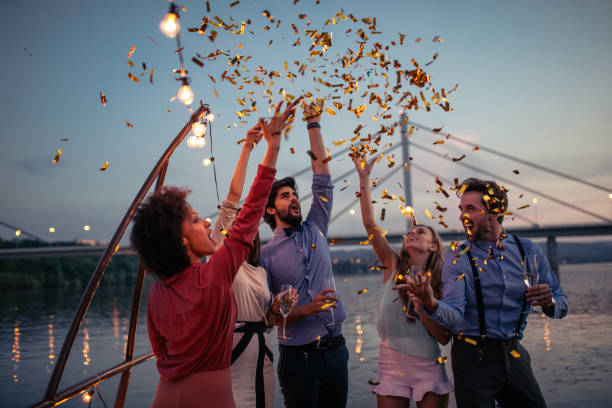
(52, 398)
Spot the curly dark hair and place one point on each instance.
(286, 182)
(497, 201)
(157, 234)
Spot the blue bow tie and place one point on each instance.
(290, 230)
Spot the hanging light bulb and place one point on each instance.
(206, 162)
(196, 141)
(198, 129)
(210, 117)
(170, 25)
(185, 94)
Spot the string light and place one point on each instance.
(88, 395)
(17, 232)
(196, 141)
(170, 25)
(86, 227)
(52, 229)
(198, 129)
(210, 117)
(207, 161)
(185, 94)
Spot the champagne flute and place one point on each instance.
(331, 284)
(413, 274)
(530, 270)
(286, 303)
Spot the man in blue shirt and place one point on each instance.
(486, 302)
(312, 368)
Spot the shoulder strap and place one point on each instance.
(478, 289)
(524, 305)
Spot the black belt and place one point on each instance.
(324, 343)
(249, 329)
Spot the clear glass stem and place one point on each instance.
(332, 313)
(284, 323)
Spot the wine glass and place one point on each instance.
(286, 303)
(331, 284)
(413, 273)
(530, 270)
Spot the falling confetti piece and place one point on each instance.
(151, 75)
(327, 305)
(471, 341)
(515, 354)
(234, 3)
(461, 276)
(523, 206)
(323, 199)
(313, 157)
(362, 291)
(438, 39)
(64, 139)
(515, 171)
(462, 189)
(382, 214)
(224, 232)
(104, 166)
(132, 49)
(128, 124)
(57, 156)
(429, 214)
(133, 78)
(103, 99)
(292, 150)
(441, 360)
(456, 159)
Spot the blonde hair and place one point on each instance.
(434, 264)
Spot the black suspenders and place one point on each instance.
(478, 289)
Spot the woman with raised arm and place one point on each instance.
(252, 363)
(191, 309)
(408, 367)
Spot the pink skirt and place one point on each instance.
(206, 388)
(401, 375)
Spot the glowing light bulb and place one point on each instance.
(206, 162)
(535, 201)
(51, 230)
(352, 211)
(210, 117)
(198, 129)
(17, 232)
(86, 227)
(87, 395)
(196, 141)
(170, 25)
(185, 95)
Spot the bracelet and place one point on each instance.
(313, 125)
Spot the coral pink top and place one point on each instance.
(191, 315)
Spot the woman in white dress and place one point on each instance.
(408, 363)
(252, 368)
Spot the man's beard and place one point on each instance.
(288, 218)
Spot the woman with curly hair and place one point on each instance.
(191, 309)
(408, 351)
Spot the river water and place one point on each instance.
(572, 357)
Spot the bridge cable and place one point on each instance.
(510, 157)
(558, 201)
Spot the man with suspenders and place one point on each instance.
(485, 303)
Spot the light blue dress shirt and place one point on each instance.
(302, 260)
(503, 289)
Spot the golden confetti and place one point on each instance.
(362, 291)
(456, 159)
(523, 206)
(223, 232)
(461, 276)
(330, 111)
(515, 354)
(57, 156)
(104, 166)
(103, 99)
(382, 214)
(132, 77)
(314, 247)
(471, 341)
(151, 75)
(476, 149)
(132, 49)
(335, 241)
(438, 39)
(437, 142)
(234, 3)
(441, 360)
(128, 124)
(462, 189)
(429, 214)
(327, 305)
(323, 199)
(292, 150)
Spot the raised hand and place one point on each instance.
(272, 129)
(421, 289)
(253, 136)
(364, 168)
(316, 306)
(312, 111)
